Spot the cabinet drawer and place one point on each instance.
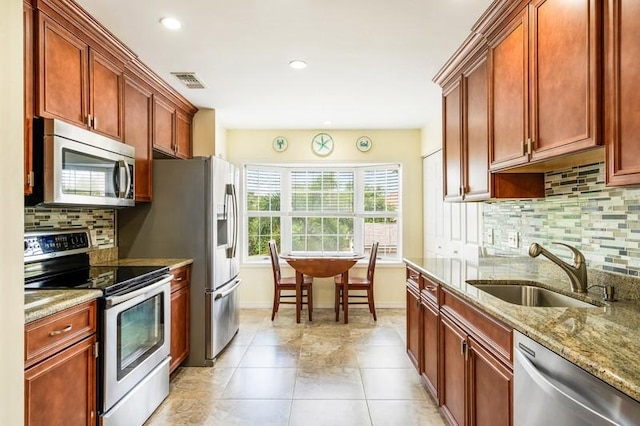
(494, 335)
(47, 336)
(431, 291)
(181, 277)
(413, 278)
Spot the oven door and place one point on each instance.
(136, 338)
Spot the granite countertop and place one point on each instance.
(601, 340)
(41, 303)
(171, 263)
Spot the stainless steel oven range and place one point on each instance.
(134, 321)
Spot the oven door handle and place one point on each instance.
(116, 300)
(228, 292)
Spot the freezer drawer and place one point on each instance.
(223, 308)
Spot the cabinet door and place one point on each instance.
(27, 15)
(476, 138)
(491, 386)
(138, 104)
(508, 55)
(164, 122)
(622, 75)
(453, 371)
(565, 76)
(61, 390)
(452, 140)
(413, 326)
(62, 73)
(430, 325)
(179, 326)
(183, 135)
(105, 84)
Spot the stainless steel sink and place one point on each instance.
(527, 295)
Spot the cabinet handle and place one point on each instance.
(178, 279)
(529, 146)
(95, 122)
(413, 277)
(89, 120)
(431, 287)
(64, 330)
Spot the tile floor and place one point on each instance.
(311, 374)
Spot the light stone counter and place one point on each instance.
(41, 303)
(601, 340)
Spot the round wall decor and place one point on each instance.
(280, 144)
(322, 144)
(364, 143)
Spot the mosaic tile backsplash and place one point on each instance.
(101, 222)
(602, 222)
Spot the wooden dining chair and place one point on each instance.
(288, 284)
(359, 284)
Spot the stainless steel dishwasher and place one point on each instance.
(549, 390)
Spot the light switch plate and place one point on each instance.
(488, 237)
(513, 239)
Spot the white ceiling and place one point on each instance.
(370, 61)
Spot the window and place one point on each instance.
(322, 209)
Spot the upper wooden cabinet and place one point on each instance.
(27, 15)
(138, 121)
(545, 79)
(622, 79)
(164, 126)
(466, 141)
(183, 135)
(76, 83)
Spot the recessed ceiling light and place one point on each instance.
(171, 23)
(298, 64)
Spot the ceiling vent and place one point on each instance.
(189, 79)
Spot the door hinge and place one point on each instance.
(96, 350)
(31, 179)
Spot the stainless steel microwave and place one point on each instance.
(76, 167)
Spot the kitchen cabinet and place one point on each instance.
(183, 135)
(164, 124)
(430, 320)
(180, 294)
(138, 122)
(622, 82)
(28, 16)
(466, 141)
(413, 317)
(76, 82)
(60, 361)
(545, 82)
(477, 365)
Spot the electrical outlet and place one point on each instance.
(513, 239)
(488, 237)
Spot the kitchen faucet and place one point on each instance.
(577, 272)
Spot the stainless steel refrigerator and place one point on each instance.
(194, 214)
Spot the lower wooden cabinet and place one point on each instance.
(429, 356)
(60, 379)
(413, 325)
(464, 355)
(180, 294)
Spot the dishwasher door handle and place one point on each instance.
(550, 388)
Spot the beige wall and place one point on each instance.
(11, 215)
(402, 146)
(432, 132)
(204, 133)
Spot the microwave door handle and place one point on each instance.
(123, 177)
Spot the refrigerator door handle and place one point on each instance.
(225, 293)
(234, 197)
